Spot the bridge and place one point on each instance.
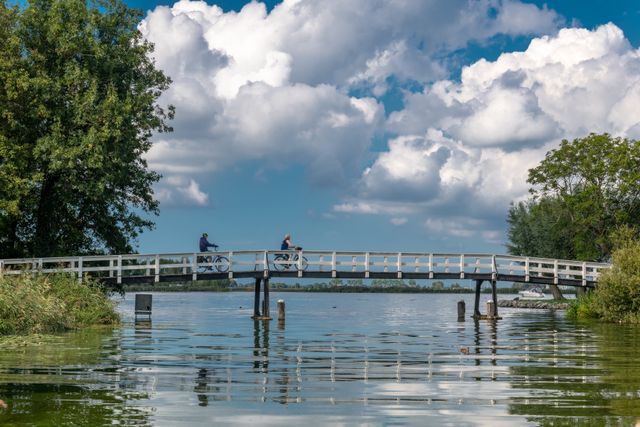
(262, 265)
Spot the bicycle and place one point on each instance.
(221, 263)
(285, 261)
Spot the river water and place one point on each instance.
(340, 359)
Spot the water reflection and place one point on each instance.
(202, 359)
(261, 345)
(586, 374)
(67, 379)
(201, 389)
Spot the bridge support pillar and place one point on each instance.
(580, 291)
(476, 307)
(256, 299)
(494, 294)
(493, 306)
(257, 315)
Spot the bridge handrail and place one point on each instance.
(316, 262)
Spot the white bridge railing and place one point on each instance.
(202, 265)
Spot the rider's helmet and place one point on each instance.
(205, 235)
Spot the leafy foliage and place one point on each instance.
(77, 111)
(52, 303)
(582, 192)
(617, 297)
(541, 228)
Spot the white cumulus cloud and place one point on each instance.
(265, 85)
(498, 122)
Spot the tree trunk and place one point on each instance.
(43, 243)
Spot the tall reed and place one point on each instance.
(52, 303)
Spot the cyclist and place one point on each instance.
(204, 243)
(204, 247)
(286, 243)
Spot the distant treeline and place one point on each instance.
(335, 285)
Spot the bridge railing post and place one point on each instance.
(462, 266)
(299, 263)
(194, 267)
(156, 277)
(119, 272)
(494, 268)
(265, 264)
(1, 268)
(333, 265)
(584, 274)
(430, 266)
(526, 269)
(111, 267)
(366, 265)
(230, 264)
(399, 265)
(80, 269)
(555, 272)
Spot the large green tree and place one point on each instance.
(581, 193)
(78, 107)
(542, 228)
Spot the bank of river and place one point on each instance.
(347, 359)
(545, 304)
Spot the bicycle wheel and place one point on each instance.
(204, 268)
(279, 263)
(222, 264)
(305, 263)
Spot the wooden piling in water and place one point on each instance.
(280, 310)
(461, 308)
(490, 309)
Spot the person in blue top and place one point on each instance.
(204, 247)
(286, 243)
(204, 243)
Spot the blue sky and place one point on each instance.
(356, 125)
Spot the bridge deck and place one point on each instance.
(176, 267)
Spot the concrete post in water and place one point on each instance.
(580, 291)
(280, 310)
(490, 308)
(461, 307)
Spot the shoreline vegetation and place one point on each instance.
(44, 304)
(617, 297)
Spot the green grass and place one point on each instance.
(40, 304)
